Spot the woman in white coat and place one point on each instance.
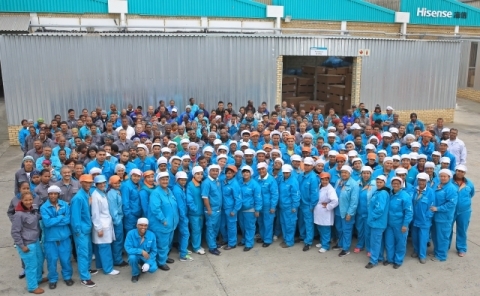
(323, 214)
(103, 234)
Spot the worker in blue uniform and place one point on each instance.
(423, 198)
(463, 211)
(143, 162)
(211, 192)
(163, 219)
(251, 206)
(377, 219)
(400, 215)
(269, 189)
(101, 163)
(347, 190)
(446, 197)
(141, 248)
(196, 212)
(289, 201)
(309, 198)
(182, 232)
(367, 186)
(132, 209)
(232, 203)
(56, 222)
(81, 224)
(116, 212)
(146, 188)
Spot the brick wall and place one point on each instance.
(279, 79)
(13, 134)
(469, 93)
(356, 80)
(427, 116)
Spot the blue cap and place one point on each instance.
(327, 145)
(100, 179)
(341, 147)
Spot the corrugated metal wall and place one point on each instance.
(390, 4)
(45, 75)
(338, 10)
(464, 64)
(55, 6)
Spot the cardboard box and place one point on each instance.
(289, 87)
(306, 105)
(343, 70)
(303, 81)
(348, 84)
(287, 94)
(308, 70)
(332, 71)
(325, 106)
(337, 90)
(305, 88)
(296, 100)
(321, 70)
(308, 95)
(289, 79)
(330, 79)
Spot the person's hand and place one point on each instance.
(294, 211)
(433, 209)
(272, 211)
(164, 223)
(232, 214)
(324, 204)
(404, 229)
(257, 214)
(347, 217)
(145, 255)
(25, 249)
(100, 233)
(209, 212)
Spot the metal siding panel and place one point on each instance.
(15, 23)
(55, 6)
(390, 4)
(464, 64)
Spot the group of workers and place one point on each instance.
(125, 182)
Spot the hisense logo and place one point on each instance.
(424, 12)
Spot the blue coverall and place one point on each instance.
(400, 215)
(463, 211)
(377, 222)
(132, 209)
(144, 194)
(269, 189)
(289, 201)
(163, 219)
(107, 167)
(446, 198)
(232, 203)
(363, 230)
(182, 231)
(212, 190)
(134, 248)
(146, 164)
(116, 211)
(347, 191)
(251, 203)
(309, 185)
(195, 214)
(57, 243)
(422, 220)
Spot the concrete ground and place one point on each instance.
(273, 270)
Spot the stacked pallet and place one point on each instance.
(296, 89)
(335, 86)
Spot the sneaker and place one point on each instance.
(385, 263)
(336, 248)
(37, 291)
(123, 264)
(396, 266)
(306, 248)
(189, 252)
(343, 253)
(435, 259)
(422, 261)
(369, 266)
(275, 238)
(356, 250)
(318, 245)
(21, 275)
(461, 254)
(134, 278)
(93, 271)
(322, 250)
(88, 283)
(114, 272)
(414, 255)
(200, 251)
(187, 258)
(52, 286)
(69, 282)
(215, 252)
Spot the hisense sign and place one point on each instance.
(424, 12)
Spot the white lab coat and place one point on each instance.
(325, 216)
(101, 219)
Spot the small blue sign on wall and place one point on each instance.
(441, 12)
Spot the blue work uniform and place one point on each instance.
(288, 201)
(463, 211)
(377, 222)
(422, 200)
(132, 209)
(146, 164)
(195, 214)
(347, 192)
(363, 230)
(182, 232)
(115, 208)
(134, 246)
(309, 199)
(251, 203)
(232, 203)
(144, 194)
(107, 167)
(269, 189)
(446, 198)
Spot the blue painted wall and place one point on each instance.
(453, 13)
(336, 10)
(54, 6)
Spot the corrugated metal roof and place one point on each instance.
(14, 23)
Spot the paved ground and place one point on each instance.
(274, 271)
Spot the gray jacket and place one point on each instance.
(25, 227)
(37, 202)
(68, 191)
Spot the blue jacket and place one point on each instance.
(465, 195)
(131, 199)
(212, 190)
(289, 193)
(115, 206)
(80, 218)
(194, 193)
(149, 244)
(400, 212)
(334, 175)
(269, 189)
(422, 215)
(163, 213)
(22, 134)
(251, 196)
(145, 165)
(365, 194)
(453, 160)
(427, 150)
(180, 195)
(347, 192)
(309, 193)
(446, 198)
(56, 223)
(411, 175)
(378, 208)
(144, 194)
(232, 196)
(410, 128)
(107, 168)
(389, 176)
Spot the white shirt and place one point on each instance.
(130, 131)
(459, 150)
(325, 216)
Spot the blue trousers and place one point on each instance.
(136, 260)
(164, 242)
(360, 225)
(33, 260)
(305, 224)
(277, 224)
(420, 238)
(395, 244)
(247, 225)
(288, 221)
(265, 224)
(231, 224)
(129, 223)
(54, 251)
(83, 244)
(117, 244)
(441, 239)
(103, 257)
(346, 238)
(196, 228)
(223, 226)
(325, 236)
(376, 238)
(183, 237)
(337, 224)
(212, 222)
(462, 220)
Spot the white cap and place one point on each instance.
(445, 130)
(319, 161)
(213, 166)
(186, 156)
(171, 142)
(197, 169)
(238, 153)
(396, 144)
(142, 221)
(396, 157)
(174, 158)
(352, 153)
(156, 144)
(308, 161)
(415, 145)
(409, 136)
(275, 132)
(350, 142)
(332, 153)
(54, 189)
(423, 176)
(370, 147)
(382, 151)
(381, 177)
(263, 165)
(429, 164)
(372, 138)
(367, 169)
(193, 144)
(444, 142)
(288, 133)
(144, 147)
(356, 159)
(387, 134)
(461, 167)
(398, 179)
(444, 160)
(208, 149)
(244, 144)
(286, 168)
(95, 171)
(393, 130)
(249, 152)
(162, 160)
(295, 157)
(233, 142)
(136, 172)
(331, 135)
(108, 154)
(184, 141)
(401, 171)
(245, 132)
(355, 126)
(307, 135)
(174, 110)
(436, 153)
(413, 155)
(389, 108)
(162, 175)
(221, 156)
(346, 168)
(387, 159)
(421, 156)
(261, 151)
(222, 147)
(246, 167)
(279, 160)
(405, 156)
(166, 150)
(331, 128)
(445, 171)
(217, 142)
(180, 175)
(218, 117)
